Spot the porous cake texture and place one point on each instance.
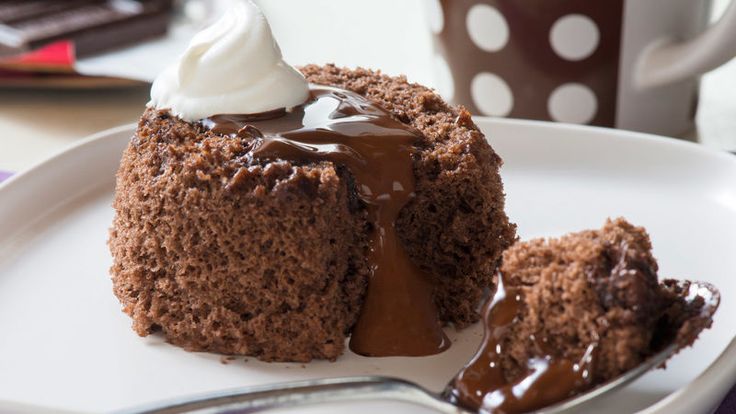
(595, 287)
(226, 253)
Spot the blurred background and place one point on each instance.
(52, 94)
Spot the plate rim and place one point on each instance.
(87, 140)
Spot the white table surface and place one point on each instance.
(390, 35)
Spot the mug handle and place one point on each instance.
(666, 61)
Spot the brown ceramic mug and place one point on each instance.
(631, 64)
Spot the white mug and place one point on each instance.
(631, 64)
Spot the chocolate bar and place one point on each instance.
(92, 25)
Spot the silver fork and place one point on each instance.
(293, 394)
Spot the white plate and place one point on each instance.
(64, 342)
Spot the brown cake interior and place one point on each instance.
(592, 287)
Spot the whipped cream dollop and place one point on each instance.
(232, 67)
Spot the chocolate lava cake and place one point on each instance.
(227, 253)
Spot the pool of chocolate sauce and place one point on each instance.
(482, 384)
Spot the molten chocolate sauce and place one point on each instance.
(399, 316)
(481, 384)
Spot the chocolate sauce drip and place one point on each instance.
(482, 384)
(399, 316)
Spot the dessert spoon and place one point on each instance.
(699, 295)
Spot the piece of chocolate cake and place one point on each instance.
(592, 287)
(573, 312)
(226, 252)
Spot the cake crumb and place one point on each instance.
(611, 298)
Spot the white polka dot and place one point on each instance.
(435, 16)
(574, 37)
(573, 103)
(445, 81)
(491, 94)
(487, 28)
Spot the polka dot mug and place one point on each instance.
(631, 64)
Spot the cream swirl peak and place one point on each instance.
(232, 67)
